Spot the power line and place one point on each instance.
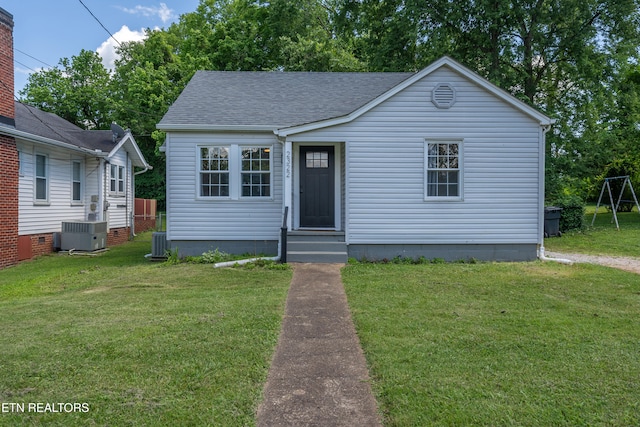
(24, 65)
(98, 21)
(32, 57)
(31, 112)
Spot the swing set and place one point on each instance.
(615, 206)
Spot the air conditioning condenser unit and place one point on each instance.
(83, 236)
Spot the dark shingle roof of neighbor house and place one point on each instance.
(48, 125)
(278, 99)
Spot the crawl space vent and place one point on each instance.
(443, 95)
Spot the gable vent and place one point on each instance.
(443, 95)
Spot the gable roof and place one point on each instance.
(442, 62)
(270, 100)
(48, 128)
(293, 102)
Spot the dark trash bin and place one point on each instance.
(552, 221)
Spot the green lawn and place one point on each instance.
(602, 238)
(500, 344)
(140, 343)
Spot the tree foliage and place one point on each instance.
(573, 59)
(77, 90)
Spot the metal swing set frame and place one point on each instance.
(615, 206)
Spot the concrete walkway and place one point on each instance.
(318, 376)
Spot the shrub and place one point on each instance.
(573, 210)
(212, 257)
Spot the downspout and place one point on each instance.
(127, 220)
(285, 161)
(104, 192)
(133, 193)
(133, 189)
(541, 254)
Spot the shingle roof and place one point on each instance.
(37, 122)
(278, 99)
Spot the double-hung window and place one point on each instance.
(214, 171)
(256, 172)
(76, 181)
(443, 171)
(116, 180)
(42, 178)
(235, 172)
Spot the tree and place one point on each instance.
(570, 58)
(565, 57)
(77, 90)
(147, 80)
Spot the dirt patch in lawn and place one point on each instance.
(623, 263)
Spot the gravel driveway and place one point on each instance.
(623, 263)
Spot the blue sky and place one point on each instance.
(49, 30)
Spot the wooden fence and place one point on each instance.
(144, 214)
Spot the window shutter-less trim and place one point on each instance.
(443, 95)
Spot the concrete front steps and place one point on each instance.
(316, 246)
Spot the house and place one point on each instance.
(56, 172)
(437, 164)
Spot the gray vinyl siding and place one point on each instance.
(385, 177)
(192, 218)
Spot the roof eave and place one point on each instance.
(48, 141)
(132, 148)
(284, 132)
(215, 128)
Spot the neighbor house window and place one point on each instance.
(76, 181)
(214, 172)
(256, 172)
(443, 176)
(42, 178)
(116, 180)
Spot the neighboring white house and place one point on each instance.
(53, 171)
(70, 174)
(439, 163)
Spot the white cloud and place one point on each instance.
(162, 12)
(107, 49)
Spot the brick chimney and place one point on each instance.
(7, 106)
(9, 164)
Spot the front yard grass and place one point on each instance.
(500, 344)
(140, 343)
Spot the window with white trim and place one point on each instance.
(42, 178)
(116, 180)
(256, 172)
(214, 171)
(443, 175)
(76, 181)
(235, 172)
